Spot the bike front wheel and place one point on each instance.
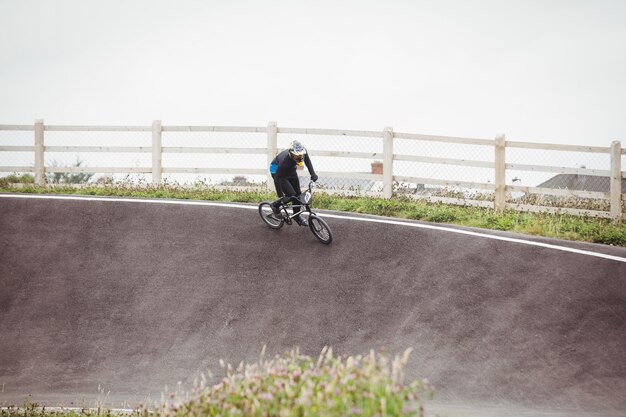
(269, 218)
(320, 229)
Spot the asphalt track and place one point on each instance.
(132, 296)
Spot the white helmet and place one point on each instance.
(297, 151)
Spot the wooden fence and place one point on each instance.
(499, 188)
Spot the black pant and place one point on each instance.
(290, 187)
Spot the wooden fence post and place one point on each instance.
(272, 148)
(500, 164)
(387, 162)
(616, 181)
(40, 178)
(157, 155)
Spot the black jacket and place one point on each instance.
(287, 167)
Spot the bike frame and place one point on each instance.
(293, 199)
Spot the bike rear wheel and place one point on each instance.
(320, 229)
(269, 218)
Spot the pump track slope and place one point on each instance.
(133, 297)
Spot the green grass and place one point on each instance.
(561, 226)
(291, 385)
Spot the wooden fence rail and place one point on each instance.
(499, 165)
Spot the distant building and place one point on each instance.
(581, 183)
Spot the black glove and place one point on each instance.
(314, 177)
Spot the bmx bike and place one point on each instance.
(299, 206)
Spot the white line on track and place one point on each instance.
(360, 219)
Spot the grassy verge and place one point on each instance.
(561, 226)
(291, 385)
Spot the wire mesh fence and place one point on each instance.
(558, 178)
(97, 152)
(15, 158)
(539, 176)
(435, 168)
(214, 158)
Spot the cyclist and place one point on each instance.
(284, 172)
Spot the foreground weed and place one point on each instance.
(301, 386)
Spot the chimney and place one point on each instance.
(377, 167)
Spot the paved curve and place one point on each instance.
(132, 297)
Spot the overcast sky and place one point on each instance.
(541, 71)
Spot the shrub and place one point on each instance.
(297, 385)
(17, 179)
(68, 178)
